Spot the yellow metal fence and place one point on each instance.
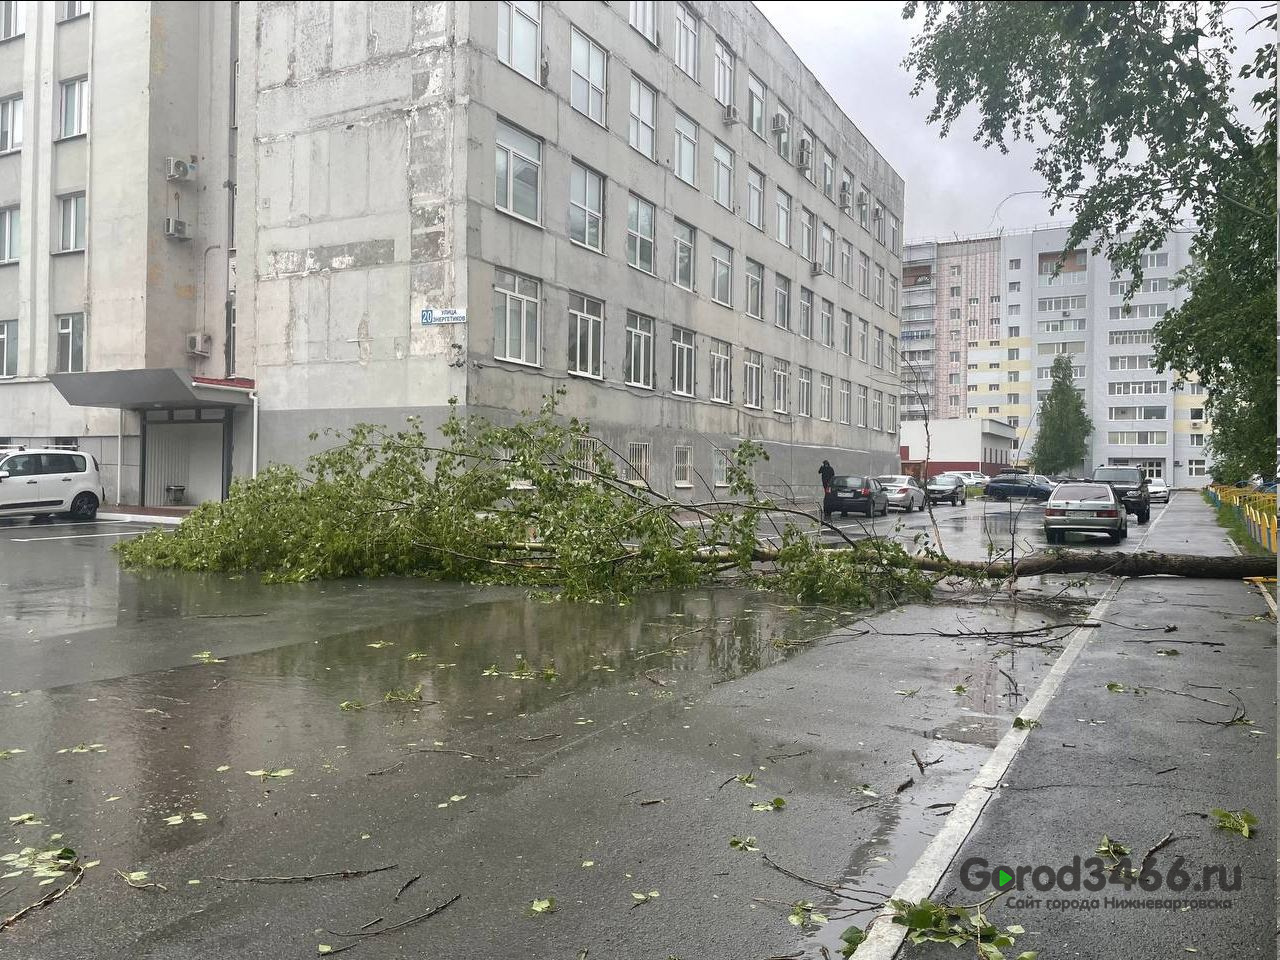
(1257, 511)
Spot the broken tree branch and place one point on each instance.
(304, 878)
(438, 908)
(51, 897)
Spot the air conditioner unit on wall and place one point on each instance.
(815, 268)
(176, 229)
(731, 113)
(178, 169)
(199, 344)
(805, 158)
(779, 123)
(846, 199)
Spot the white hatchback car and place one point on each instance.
(39, 481)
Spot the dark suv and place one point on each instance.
(1130, 485)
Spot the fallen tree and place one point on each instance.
(541, 503)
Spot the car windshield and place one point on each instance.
(848, 483)
(1125, 474)
(893, 479)
(1157, 482)
(946, 480)
(1083, 491)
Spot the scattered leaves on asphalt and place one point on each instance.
(546, 905)
(777, 803)
(907, 693)
(351, 705)
(1237, 821)
(11, 752)
(274, 774)
(745, 844)
(802, 914)
(642, 898)
(403, 696)
(958, 688)
(206, 656)
(1024, 723)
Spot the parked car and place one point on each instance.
(1019, 486)
(948, 486)
(1086, 508)
(41, 481)
(972, 477)
(904, 492)
(1157, 490)
(861, 494)
(1130, 484)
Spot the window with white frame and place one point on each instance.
(846, 401)
(587, 84)
(806, 313)
(827, 323)
(644, 116)
(70, 348)
(70, 9)
(1160, 412)
(1059, 326)
(13, 18)
(782, 131)
(516, 318)
(783, 201)
(10, 234)
(753, 379)
(895, 234)
(878, 290)
(755, 105)
(1196, 468)
(74, 116)
(846, 263)
(719, 467)
(586, 207)
(8, 348)
(640, 227)
(722, 170)
(686, 40)
(1138, 438)
(683, 364)
(877, 221)
(518, 184)
(877, 409)
(828, 250)
(879, 349)
(781, 386)
(586, 336)
(782, 302)
(1046, 373)
(808, 235)
(721, 273)
(755, 198)
(686, 149)
(1138, 311)
(846, 333)
(644, 17)
(724, 72)
(1117, 337)
(891, 413)
(684, 254)
(1014, 309)
(893, 295)
(804, 392)
(1054, 304)
(1137, 388)
(824, 396)
(638, 361)
(862, 405)
(10, 123)
(1132, 362)
(806, 162)
(828, 174)
(864, 207)
(1015, 263)
(1196, 413)
(893, 354)
(682, 460)
(864, 330)
(755, 290)
(1150, 260)
(71, 210)
(1121, 288)
(864, 274)
(721, 371)
(637, 469)
(518, 40)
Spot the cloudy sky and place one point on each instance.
(954, 186)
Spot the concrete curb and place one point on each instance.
(140, 518)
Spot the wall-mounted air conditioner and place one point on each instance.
(176, 229)
(199, 344)
(731, 113)
(178, 169)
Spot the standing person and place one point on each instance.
(827, 473)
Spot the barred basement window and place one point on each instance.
(637, 468)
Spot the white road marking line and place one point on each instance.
(75, 536)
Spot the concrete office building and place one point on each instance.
(652, 205)
(1018, 316)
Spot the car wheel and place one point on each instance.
(885, 512)
(964, 499)
(911, 505)
(953, 499)
(1116, 536)
(1051, 536)
(1124, 532)
(1145, 515)
(84, 507)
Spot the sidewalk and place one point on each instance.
(1139, 764)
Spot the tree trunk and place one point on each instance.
(1146, 564)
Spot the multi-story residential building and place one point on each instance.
(653, 206)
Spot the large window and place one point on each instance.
(644, 17)
(893, 295)
(846, 333)
(1138, 438)
(586, 335)
(684, 255)
(864, 207)
(824, 396)
(640, 233)
(863, 336)
(827, 323)
(781, 386)
(864, 274)
(721, 273)
(1137, 388)
(808, 235)
(879, 344)
(806, 313)
(846, 401)
(70, 358)
(862, 405)
(878, 290)
(783, 235)
(516, 318)
(587, 84)
(1052, 304)
(644, 116)
(895, 234)
(682, 465)
(846, 263)
(891, 413)
(518, 22)
(12, 18)
(722, 185)
(877, 410)
(828, 174)
(1132, 362)
(639, 354)
(721, 371)
(518, 158)
(782, 302)
(753, 380)
(74, 119)
(724, 72)
(10, 124)
(683, 361)
(1131, 336)
(1122, 288)
(8, 348)
(782, 132)
(10, 234)
(804, 392)
(828, 250)
(1138, 413)
(637, 470)
(755, 198)
(71, 210)
(877, 221)
(586, 207)
(686, 40)
(755, 290)
(1138, 311)
(686, 149)
(755, 105)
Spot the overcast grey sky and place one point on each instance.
(954, 186)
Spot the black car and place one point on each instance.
(1019, 486)
(948, 486)
(849, 494)
(1130, 485)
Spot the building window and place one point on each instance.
(637, 459)
(682, 472)
(755, 198)
(879, 354)
(1138, 311)
(1015, 264)
(72, 213)
(862, 405)
(826, 323)
(586, 207)
(864, 207)
(686, 40)
(644, 17)
(640, 233)
(755, 290)
(828, 174)
(782, 302)
(1196, 468)
(806, 313)
(877, 410)
(891, 414)
(518, 23)
(10, 124)
(846, 263)
(1196, 413)
(722, 159)
(639, 354)
(686, 133)
(828, 250)
(684, 255)
(783, 235)
(1015, 309)
(804, 392)
(895, 234)
(13, 18)
(808, 235)
(721, 273)
(682, 362)
(846, 333)
(721, 372)
(587, 85)
(719, 468)
(879, 287)
(8, 348)
(864, 330)
(724, 73)
(74, 119)
(893, 295)
(1015, 286)
(805, 160)
(753, 380)
(518, 158)
(782, 130)
(824, 396)
(846, 401)
(515, 318)
(864, 274)
(893, 354)
(586, 336)
(10, 234)
(70, 9)
(877, 222)
(781, 386)
(755, 105)
(70, 357)
(644, 115)
(1138, 438)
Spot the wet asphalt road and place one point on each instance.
(126, 724)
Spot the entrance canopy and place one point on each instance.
(150, 389)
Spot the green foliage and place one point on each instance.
(929, 922)
(852, 938)
(743, 844)
(868, 573)
(803, 915)
(1062, 443)
(1237, 821)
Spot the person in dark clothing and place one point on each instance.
(827, 473)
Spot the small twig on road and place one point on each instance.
(650, 803)
(407, 884)
(459, 753)
(1202, 643)
(372, 923)
(391, 769)
(1167, 770)
(140, 886)
(545, 736)
(403, 923)
(1012, 682)
(923, 763)
(51, 897)
(775, 757)
(519, 776)
(836, 890)
(865, 806)
(909, 782)
(1164, 842)
(304, 878)
(5, 893)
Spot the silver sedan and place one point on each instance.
(904, 492)
(1084, 508)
